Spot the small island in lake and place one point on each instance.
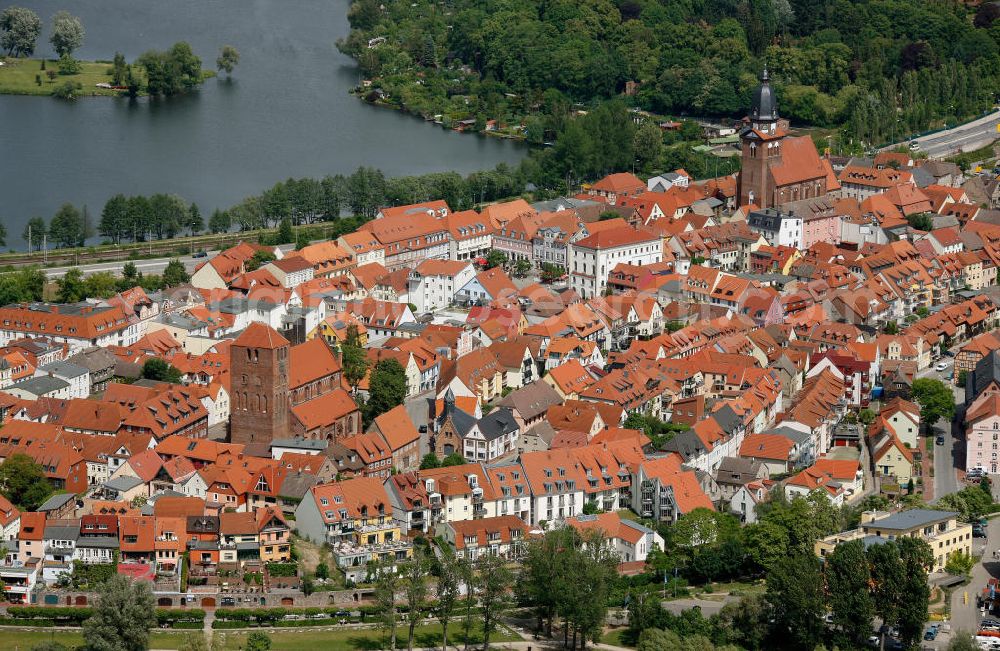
(168, 72)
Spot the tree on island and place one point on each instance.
(172, 72)
(228, 59)
(124, 614)
(119, 68)
(19, 30)
(67, 33)
(3, 234)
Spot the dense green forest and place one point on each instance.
(879, 68)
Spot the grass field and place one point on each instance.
(17, 77)
(281, 639)
(24, 640)
(614, 637)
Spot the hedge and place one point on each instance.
(39, 622)
(278, 614)
(169, 615)
(65, 615)
(194, 626)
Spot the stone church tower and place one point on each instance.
(761, 145)
(259, 403)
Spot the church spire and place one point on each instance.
(764, 108)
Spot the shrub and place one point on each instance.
(282, 569)
(67, 90)
(68, 65)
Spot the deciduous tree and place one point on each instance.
(23, 482)
(492, 585)
(415, 592)
(34, 233)
(935, 399)
(448, 591)
(66, 227)
(71, 286)
(795, 596)
(848, 579)
(228, 58)
(161, 371)
(19, 30)
(123, 616)
(67, 33)
(386, 388)
(175, 274)
(387, 588)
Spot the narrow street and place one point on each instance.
(964, 614)
(950, 456)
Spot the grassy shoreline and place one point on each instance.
(18, 77)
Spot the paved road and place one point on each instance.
(965, 137)
(948, 458)
(964, 614)
(708, 608)
(151, 266)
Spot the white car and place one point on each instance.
(940, 366)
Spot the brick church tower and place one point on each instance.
(761, 145)
(259, 403)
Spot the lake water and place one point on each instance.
(285, 113)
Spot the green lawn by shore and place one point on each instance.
(281, 639)
(17, 77)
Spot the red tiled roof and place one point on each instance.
(260, 335)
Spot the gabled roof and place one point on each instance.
(397, 428)
(311, 361)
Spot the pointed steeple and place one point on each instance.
(449, 402)
(765, 106)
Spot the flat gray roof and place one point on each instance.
(56, 501)
(123, 483)
(905, 520)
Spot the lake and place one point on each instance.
(285, 113)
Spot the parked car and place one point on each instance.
(200, 254)
(978, 531)
(915, 146)
(940, 366)
(940, 440)
(931, 632)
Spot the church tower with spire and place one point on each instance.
(777, 168)
(761, 145)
